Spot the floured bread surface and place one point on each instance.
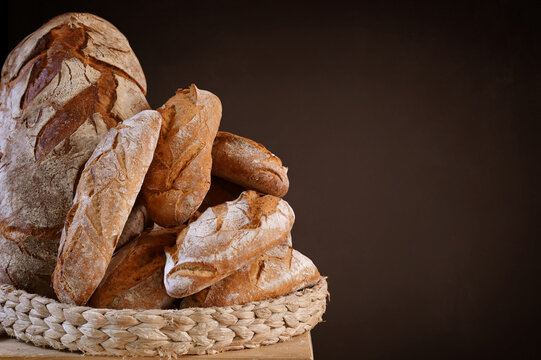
(270, 275)
(61, 89)
(223, 239)
(105, 195)
(134, 278)
(249, 164)
(179, 176)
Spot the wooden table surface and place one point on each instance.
(300, 347)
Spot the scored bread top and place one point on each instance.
(223, 239)
(102, 41)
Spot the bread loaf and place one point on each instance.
(105, 194)
(134, 278)
(267, 277)
(179, 176)
(137, 222)
(249, 164)
(223, 239)
(220, 191)
(61, 89)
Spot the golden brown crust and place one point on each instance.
(179, 176)
(134, 278)
(106, 192)
(61, 89)
(249, 164)
(267, 277)
(223, 239)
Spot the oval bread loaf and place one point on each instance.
(223, 239)
(62, 88)
(267, 277)
(105, 195)
(249, 164)
(179, 176)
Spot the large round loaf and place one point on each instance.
(62, 88)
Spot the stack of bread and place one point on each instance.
(106, 202)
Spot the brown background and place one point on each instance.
(411, 132)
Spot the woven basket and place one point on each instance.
(46, 322)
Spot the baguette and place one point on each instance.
(223, 239)
(134, 278)
(179, 176)
(106, 192)
(267, 277)
(249, 164)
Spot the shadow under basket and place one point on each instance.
(49, 323)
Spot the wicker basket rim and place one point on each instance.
(160, 332)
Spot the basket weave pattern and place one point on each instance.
(46, 322)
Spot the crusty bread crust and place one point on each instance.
(105, 195)
(62, 88)
(179, 176)
(134, 278)
(249, 164)
(223, 239)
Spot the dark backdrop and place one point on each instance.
(411, 132)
